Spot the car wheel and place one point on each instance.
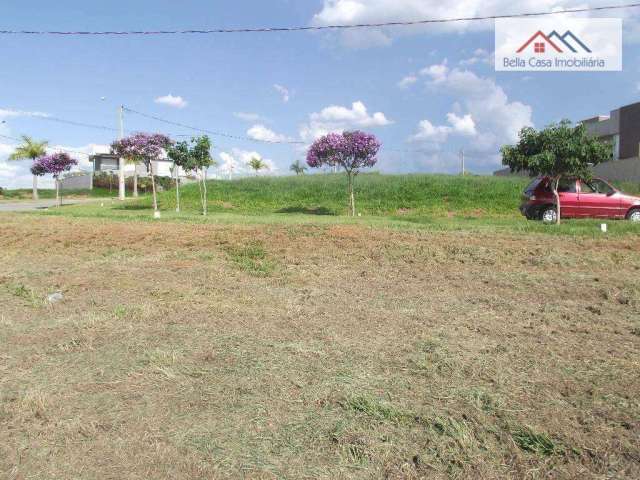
(634, 215)
(549, 214)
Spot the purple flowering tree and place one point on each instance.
(54, 164)
(349, 150)
(145, 148)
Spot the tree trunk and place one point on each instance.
(35, 187)
(199, 185)
(557, 197)
(176, 169)
(58, 202)
(352, 200)
(156, 213)
(204, 191)
(121, 185)
(135, 179)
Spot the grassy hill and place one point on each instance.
(376, 194)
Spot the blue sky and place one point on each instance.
(426, 92)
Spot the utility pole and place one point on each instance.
(462, 160)
(121, 192)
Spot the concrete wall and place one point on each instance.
(76, 182)
(627, 170)
(629, 131)
(604, 126)
(506, 172)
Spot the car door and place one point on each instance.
(568, 193)
(597, 199)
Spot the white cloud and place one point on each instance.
(463, 125)
(16, 173)
(427, 131)
(336, 118)
(407, 81)
(248, 116)
(236, 163)
(9, 113)
(264, 134)
(480, 56)
(343, 12)
(493, 117)
(437, 73)
(6, 149)
(171, 101)
(229, 165)
(284, 91)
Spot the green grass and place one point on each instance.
(376, 194)
(25, 193)
(376, 409)
(533, 442)
(251, 258)
(409, 202)
(513, 224)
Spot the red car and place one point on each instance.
(595, 198)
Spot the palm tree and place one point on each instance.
(30, 149)
(297, 167)
(257, 164)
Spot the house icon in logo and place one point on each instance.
(541, 42)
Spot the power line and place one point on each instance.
(319, 27)
(212, 132)
(113, 129)
(77, 124)
(202, 130)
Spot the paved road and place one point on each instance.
(22, 205)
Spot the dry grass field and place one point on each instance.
(203, 351)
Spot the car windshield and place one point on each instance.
(596, 186)
(533, 185)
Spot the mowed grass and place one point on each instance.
(47, 193)
(315, 350)
(414, 202)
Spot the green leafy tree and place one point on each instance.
(297, 167)
(202, 160)
(194, 156)
(30, 149)
(257, 164)
(179, 153)
(559, 150)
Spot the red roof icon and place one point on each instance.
(544, 37)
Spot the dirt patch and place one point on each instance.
(205, 351)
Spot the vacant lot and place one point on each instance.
(315, 351)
